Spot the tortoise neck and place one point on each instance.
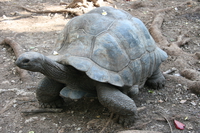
(57, 71)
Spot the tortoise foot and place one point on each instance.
(157, 81)
(126, 120)
(55, 104)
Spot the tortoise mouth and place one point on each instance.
(23, 66)
(22, 63)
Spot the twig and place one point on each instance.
(72, 11)
(179, 79)
(173, 69)
(111, 116)
(18, 17)
(17, 51)
(140, 125)
(167, 122)
(139, 109)
(42, 110)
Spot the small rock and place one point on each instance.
(183, 101)
(78, 128)
(3, 49)
(31, 119)
(5, 82)
(177, 74)
(12, 81)
(4, 17)
(43, 118)
(55, 53)
(160, 101)
(178, 85)
(193, 103)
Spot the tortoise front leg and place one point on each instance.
(157, 80)
(117, 102)
(48, 92)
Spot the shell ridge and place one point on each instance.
(117, 37)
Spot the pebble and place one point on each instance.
(4, 17)
(55, 53)
(5, 82)
(160, 101)
(3, 49)
(78, 128)
(31, 119)
(193, 103)
(183, 101)
(12, 81)
(43, 118)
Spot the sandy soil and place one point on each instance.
(38, 32)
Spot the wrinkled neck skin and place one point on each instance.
(56, 71)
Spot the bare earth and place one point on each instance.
(39, 31)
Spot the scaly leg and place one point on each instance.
(117, 102)
(48, 92)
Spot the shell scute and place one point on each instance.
(129, 37)
(108, 54)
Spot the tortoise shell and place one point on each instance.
(110, 46)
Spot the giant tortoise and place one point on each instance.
(105, 53)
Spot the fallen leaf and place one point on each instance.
(179, 125)
(55, 53)
(150, 91)
(104, 13)
(186, 118)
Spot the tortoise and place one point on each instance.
(106, 53)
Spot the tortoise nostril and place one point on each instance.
(26, 61)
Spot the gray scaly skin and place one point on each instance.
(58, 76)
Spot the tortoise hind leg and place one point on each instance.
(48, 92)
(117, 102)
(157, 80)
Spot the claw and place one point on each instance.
(126, 121)
(55, 104)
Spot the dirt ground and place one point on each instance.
(38, 32)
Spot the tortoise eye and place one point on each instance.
(26, 61)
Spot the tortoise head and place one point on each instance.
(31, 61)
